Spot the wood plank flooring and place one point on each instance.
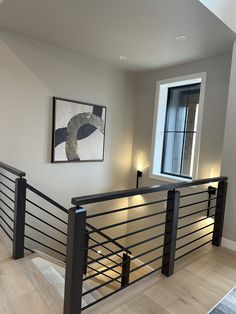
(199, 282)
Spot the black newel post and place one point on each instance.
(75, 257)
(172, 214)
(86, 251)
(219, 213)
(211, 191)
(19, 218)
(125, 270)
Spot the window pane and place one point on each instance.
(190, 120)
(172, 153)
(176, 110)
(187, 154)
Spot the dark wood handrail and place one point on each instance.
(12, 170)
(101, 197)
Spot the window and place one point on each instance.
(177, 128)
(180, 130)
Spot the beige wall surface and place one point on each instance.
(31, 74)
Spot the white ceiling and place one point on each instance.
(142, 30)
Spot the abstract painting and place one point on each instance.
(78, 131)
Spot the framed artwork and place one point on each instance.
(78, 131)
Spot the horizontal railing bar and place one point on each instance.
(12, 170)
(130, 234)
(198, 212)
(198, 247)
(104, 246)
(136, 244)
(128, 221)
(108, 258)
(46, 198)
(113, 292)
(9, 236)
(46, 211)
(6, 205)
(10, 227)
(194, 222)
(128, 260)
(97, 273)
(125, 208)
(1, 174)
(40, 243)
(7, 187)
(47, 235)
(129, 272)
(195, 240)
(45, 223)
(82, 200)
(196, 203)
(195, 231)
(28, 249)
(102, 264)
(102, 274)
(8, 197)
(192, 194)
(9, 217)
(108, 238)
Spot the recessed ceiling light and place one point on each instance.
(181, 38)
(123, 58)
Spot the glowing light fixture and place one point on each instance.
(181, 38)
(123, 58)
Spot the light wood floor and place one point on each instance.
(199, 282)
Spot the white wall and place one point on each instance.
(217, 82)
(31, 73)
(229, 155)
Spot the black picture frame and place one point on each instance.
(96, 118)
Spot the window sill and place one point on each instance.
(169, 178)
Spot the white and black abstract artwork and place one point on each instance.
(78, 131)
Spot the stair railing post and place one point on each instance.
(86, 251)
(75, 260)
(211, 191)
(219, 213)
(125, 270)
(171, 225)
(19, 218)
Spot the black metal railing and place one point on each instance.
(45, 224)
(107, 247)
(34, 221)
(168, 223)
(12, 194)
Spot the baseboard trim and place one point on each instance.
(229, 244)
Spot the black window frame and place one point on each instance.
(184, 132)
